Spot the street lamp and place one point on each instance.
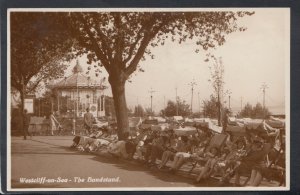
(229, 93)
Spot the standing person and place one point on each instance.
(26, 123)
(88, 120)
(53, 122)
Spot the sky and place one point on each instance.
(251, 58)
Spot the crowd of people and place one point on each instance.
(256, 154)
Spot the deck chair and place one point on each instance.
(266, 149)
(276, 169)
(216, 141)
(276, 165)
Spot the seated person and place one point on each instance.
(147, 147)
(123, 148)
(118, 148)
(198, 153)
(181, 157)
(221, 165)
(159, 145)
(232, 159)
(251, 161)
(176, 146)
(130, 149)
(84, 143)
(97, 144)
(76, 141)
(102, 139)
(108, 134)
(211, 160)
(80, 140)
(103, 132)
(142, 141)
(260, 169)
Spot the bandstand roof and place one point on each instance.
(77, 80)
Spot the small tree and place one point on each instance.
(217, 81)
(171, 109)
(254, 112)
(139, 111)
(210, 107)
(246, 111)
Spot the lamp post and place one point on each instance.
(192, 85)
(229, 94)
(264, 87)
(151, 96)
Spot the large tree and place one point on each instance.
(38, 43)
(118, 41)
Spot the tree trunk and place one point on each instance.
(118, 91)
(219, 111)
(22, 97)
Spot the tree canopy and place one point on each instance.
(210, 107)
(254, 112)
(139, 111)
(38, 44)
(119, 40)
(171, 109)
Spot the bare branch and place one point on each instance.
(147, 38)
(103, 39)
(133, 46)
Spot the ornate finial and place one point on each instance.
(77, 68)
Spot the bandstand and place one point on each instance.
(77, 92)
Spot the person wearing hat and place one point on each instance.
(88, 120)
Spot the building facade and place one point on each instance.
(77, 92)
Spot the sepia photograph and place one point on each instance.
(169, 99)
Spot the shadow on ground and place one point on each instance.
(159, 174)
